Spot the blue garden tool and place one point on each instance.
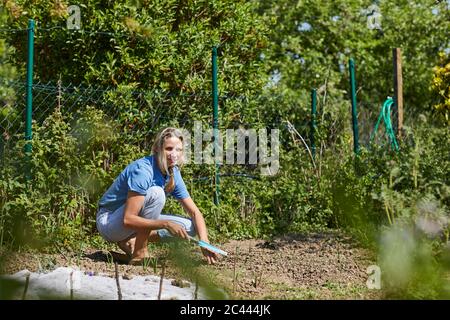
(208, 246)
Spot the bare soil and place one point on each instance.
(312, 266)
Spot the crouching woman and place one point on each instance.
(129, 212)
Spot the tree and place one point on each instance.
(165, 44)
(312, 41)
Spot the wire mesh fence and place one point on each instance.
(138, 114)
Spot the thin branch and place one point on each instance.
(291, 127)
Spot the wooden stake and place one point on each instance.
(58, 97)
(27, 281)
(234, 271)
(163, 270)
(196, 290)
(119, 292)
(398, 91)
(71, 285)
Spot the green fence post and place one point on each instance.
(354, 112)
(313, 120)
(29, 96)
(215, 123)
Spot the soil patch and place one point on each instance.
(312, 266)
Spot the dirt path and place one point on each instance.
(314, 266)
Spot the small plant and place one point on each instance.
(154, 263)
(257, 278)
(109, 258)
(146, 262)
(79, 253)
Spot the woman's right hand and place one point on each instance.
(177, 230)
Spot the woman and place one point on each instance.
(130, 210)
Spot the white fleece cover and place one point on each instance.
(86, 286)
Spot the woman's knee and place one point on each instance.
(184, 222)
(156, 195)
(190, 227)
(154, 202)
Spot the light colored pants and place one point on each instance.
(110, 223)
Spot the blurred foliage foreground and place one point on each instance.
(394, 202)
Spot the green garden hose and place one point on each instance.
(385, 114)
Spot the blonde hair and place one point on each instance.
(157, 150)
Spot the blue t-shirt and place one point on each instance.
(139, 176)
